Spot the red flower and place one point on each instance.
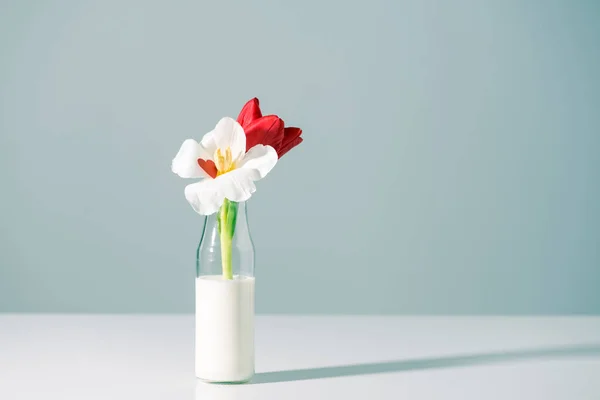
(267, 130)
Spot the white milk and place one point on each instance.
(224, 328)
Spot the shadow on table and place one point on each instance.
(425, 363)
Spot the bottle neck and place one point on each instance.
(226, 247)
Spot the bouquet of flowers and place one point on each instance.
(229, 160)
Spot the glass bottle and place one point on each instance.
(225, 297)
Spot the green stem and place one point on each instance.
(226, 256)
(227, 219)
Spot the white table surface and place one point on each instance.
(339, 357)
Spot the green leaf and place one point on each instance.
(222, 213)
(232, 217)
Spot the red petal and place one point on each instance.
(290, 139)
(289, 134)
(209, 167)
(266, 130)
(249, 113)
(287, 147)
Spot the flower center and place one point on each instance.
(223, 162)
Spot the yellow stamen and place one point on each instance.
(224, 163)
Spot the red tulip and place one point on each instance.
(268, 130)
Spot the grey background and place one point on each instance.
(450, 164)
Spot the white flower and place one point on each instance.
(228, 170)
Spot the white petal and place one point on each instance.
(227, 133)
(185, 163)
(207, 196)
(203, 197)
(260, 158)
(209, 145)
